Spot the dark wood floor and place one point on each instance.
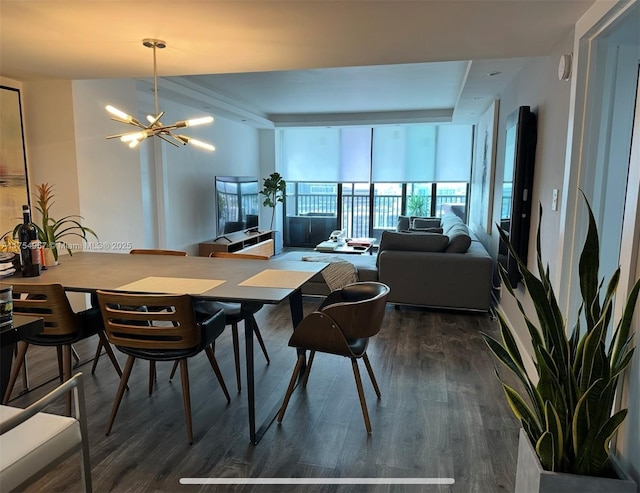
(442, 414)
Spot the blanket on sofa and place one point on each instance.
(338, 273)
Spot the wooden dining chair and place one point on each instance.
(138, 251)
(62, 328)
(141, 327)
(342, 325)
(235, 313)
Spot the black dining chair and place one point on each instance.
(235, 313)
(160, 328)
(342, 325)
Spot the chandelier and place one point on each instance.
(156, 128)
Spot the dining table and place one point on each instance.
(221, 279)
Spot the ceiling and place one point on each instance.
(292, 63)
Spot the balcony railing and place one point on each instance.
(355, 210)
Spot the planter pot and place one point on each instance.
(531, 478)
(49, 259)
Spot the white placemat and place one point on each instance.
(275, 278)
(172, 285)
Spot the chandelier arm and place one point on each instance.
(167, 140)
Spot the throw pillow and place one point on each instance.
(403, 223)
(425, 230)
(425, 222)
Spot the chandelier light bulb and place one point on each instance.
(199, 121)
(120, 114)
(135, 136)
(196, 142)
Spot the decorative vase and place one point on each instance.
(532, 478)
(49, 259)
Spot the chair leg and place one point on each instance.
(76, 356)
(173, 370)
(186, 397)
(308, 370)
(67, 366)
(123, 384)
(371, 375)
(292, 385)
(363, 402)
(15, 369)
(152, 375)
(60, 364)
(96, 357)
(25, 372)
(216, 369)
(236, 354)
(109, 350)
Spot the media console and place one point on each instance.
(259, 243)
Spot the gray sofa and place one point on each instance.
(426, 262)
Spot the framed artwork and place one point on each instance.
(14, 185)
(483, 170)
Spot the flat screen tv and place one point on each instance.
(520, 156)
(238, 204)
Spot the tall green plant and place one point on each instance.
(52, 232)
(274, 189)
(567, 414)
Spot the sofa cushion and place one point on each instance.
(449, 220)
(425, 222)
(459, 239)
(416, 242)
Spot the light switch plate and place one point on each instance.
(554, 200)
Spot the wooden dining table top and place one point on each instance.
(237, 279)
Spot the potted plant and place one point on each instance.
(566, 411)
(274, 189)
(52, 232)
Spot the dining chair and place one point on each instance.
(342, 325)
(139, 251)
(62, 328)
(33, 442)
(234, 313)
(142, 327)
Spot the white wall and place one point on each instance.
(108, 172)
(537, 86)
(189, 172)
(50, 143)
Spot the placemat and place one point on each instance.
(275, 278)
(173, 285)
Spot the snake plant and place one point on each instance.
(567, 411)
(51, 232)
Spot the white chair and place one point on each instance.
(32, 442)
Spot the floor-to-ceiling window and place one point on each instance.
(360, 179)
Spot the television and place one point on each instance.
(237, 203)
(515, 219)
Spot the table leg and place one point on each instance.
(248, 341)
(295, 304)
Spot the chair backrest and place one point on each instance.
(358, 308)
(50, 302)
(149, 321)
(250, 256)
(153, 251)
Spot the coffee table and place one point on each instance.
(359, 246)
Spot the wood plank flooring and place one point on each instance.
(442, 414)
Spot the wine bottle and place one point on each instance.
(29, 245)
